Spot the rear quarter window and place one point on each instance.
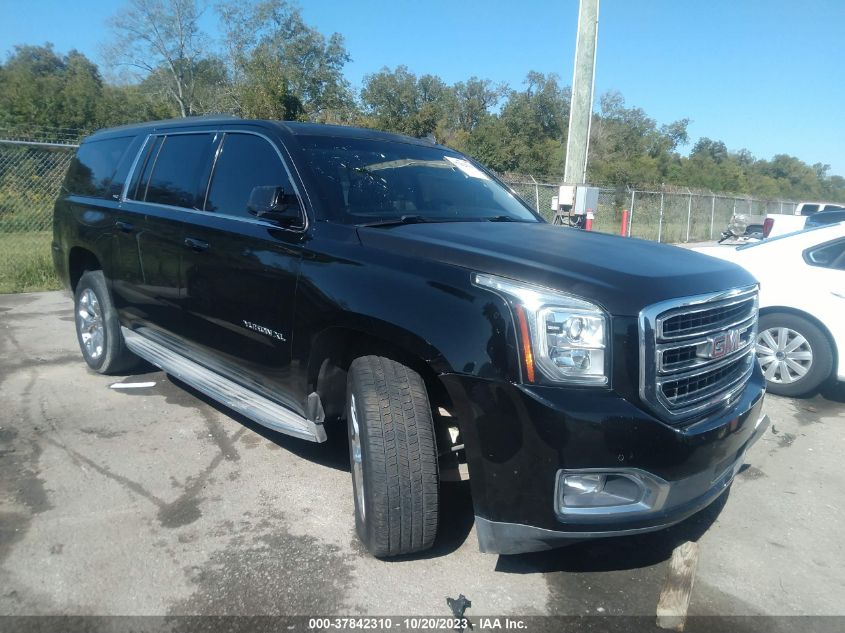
(92, 171)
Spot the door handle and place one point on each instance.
(124, 227)
(196, 245)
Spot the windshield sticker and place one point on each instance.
(467, 167)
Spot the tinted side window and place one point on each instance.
(138, 184)
(245, 162)
(94, 166)
(179, 166)
(809, 209)
(830, 255)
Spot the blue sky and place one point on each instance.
(766, 75)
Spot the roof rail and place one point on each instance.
(184, 120)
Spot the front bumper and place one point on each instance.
(519, 441)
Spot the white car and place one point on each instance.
(801, 336)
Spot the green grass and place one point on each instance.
(26, 264)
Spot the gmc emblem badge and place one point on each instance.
(723, 344)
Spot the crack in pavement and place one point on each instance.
(185, 508)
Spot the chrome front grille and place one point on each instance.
(687, 321)
(696, 352)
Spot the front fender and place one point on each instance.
(429, 310)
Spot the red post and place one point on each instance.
(624, 231)
(588, 225)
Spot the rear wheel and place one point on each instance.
(393, 457)
(794, 354)
(97, 327)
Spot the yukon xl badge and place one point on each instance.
(264, 330)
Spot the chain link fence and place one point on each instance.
(668, 215)
(31, 172)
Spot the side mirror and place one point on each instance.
(276, 205)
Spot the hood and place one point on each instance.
(622, 275)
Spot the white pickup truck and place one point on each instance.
(772, 224)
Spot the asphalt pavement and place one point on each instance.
(152, 500)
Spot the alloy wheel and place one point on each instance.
(89, 321)
(357, 457)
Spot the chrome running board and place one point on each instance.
(231, 394)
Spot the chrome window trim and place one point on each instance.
(239, 218)
(214, 160)
(153, 168)
(124, 196)
(650, 380)
(216, 133)
(296, 190)
(807, 253)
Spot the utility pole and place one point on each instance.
(581, 106)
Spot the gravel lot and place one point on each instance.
(155, 501)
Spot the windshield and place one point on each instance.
(363, 181)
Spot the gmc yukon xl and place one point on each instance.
(310, 275)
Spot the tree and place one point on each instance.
(535, 121)
(474, 98)
(82, 87)
(123, 104)
(161, 39)
(40, 87)
(273, 65)
(282, 67)
(397, 101)
(714, 150)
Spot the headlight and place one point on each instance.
(564, 336)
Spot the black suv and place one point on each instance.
(308, 274)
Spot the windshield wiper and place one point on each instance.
(420, 219)
(402, 219)
(506, 218)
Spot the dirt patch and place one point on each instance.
(22, 491)
(13, 526)
(183, 511)
(264, 570)
(750, 473)
(102, 433)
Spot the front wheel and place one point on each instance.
(393, 457)
(794, 354)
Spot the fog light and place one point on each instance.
(594, 493)
(582, 484)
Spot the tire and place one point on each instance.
(393, 456)
(97, 326)
(782, 366)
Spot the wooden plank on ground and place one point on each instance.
(675, 596)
